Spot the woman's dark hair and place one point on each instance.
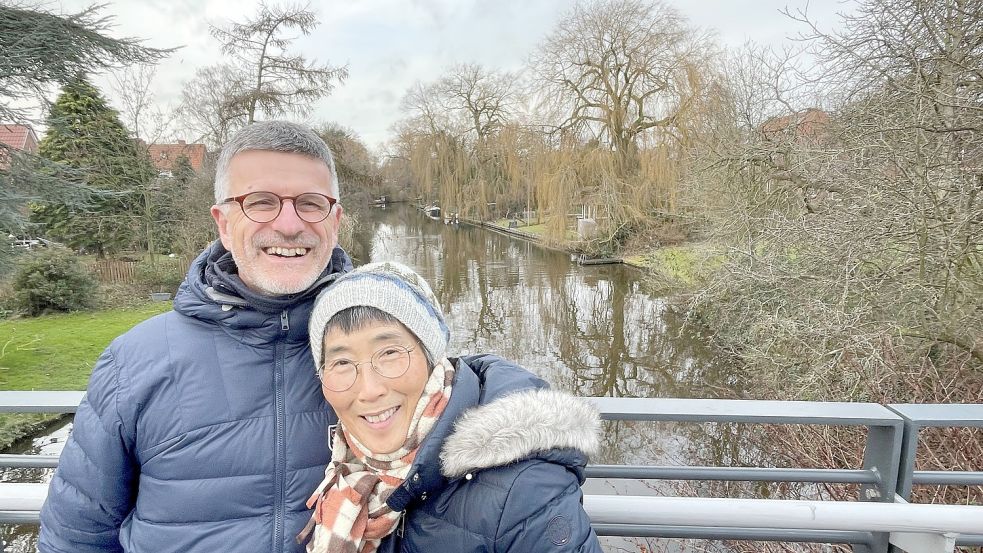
(358, 317)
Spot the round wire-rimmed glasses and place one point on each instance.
(263, 207)
(338, 375)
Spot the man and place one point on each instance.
(204, 429)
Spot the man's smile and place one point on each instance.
(286, 252)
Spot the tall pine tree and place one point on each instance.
(86, 134)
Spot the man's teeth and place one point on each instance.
(381, 417)
(286, 252)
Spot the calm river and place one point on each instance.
(591, 330)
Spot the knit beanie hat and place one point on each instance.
(389, 287)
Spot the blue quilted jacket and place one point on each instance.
(203, 429)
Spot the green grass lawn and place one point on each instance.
(57, 352)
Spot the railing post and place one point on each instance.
(882, 454)
(909, 449)
(912, 543)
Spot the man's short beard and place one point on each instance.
(263, 285)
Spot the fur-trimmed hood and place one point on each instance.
(518, 425)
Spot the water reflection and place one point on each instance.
(591, 330)
(23, 538)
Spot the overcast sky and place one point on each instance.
(390, 44)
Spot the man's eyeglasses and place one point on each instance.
(339, 374)
(263, 207)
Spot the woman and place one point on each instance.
(435, 454)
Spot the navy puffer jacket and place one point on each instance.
(501, 470)
(203, 429)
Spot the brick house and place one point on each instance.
(164, 156)
(18, 137)
(807, 125)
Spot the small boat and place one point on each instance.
(432, 211)
(381, 201)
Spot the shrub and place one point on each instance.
(163, 276)
(52, 279)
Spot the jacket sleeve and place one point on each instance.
(543, 512)
(93, 489)
(500, 376)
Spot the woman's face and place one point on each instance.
(376, 409)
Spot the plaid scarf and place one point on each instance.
(350, 510)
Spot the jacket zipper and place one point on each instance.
(280, 430)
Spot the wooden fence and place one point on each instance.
(112, 271)
(117, 271)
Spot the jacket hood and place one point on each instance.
(213, 276)
(518, 425)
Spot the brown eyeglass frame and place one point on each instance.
(239, 199)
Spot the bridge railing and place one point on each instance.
(881, 518)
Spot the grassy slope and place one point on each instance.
(57, 352)
(681, 267)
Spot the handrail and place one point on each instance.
(855, 516)
(880, 517)
(733, 474)
(745, 411)
(39, 402)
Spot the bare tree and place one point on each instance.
(483, 97)
(357, 168)
(209, 106)
(426, 108)
(854, 266)
(144, 118)
(620, 68)
(278, 82)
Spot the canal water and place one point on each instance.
(591, 330)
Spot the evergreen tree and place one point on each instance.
(183, 171)
(165, 206)
(86, 134)
(40, 48)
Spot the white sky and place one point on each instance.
(390, 44)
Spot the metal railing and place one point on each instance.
(879, 520)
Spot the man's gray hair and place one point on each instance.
(275, 136)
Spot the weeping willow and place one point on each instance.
(516, 170)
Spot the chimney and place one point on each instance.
(181, 142)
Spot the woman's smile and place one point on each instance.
(382, 419)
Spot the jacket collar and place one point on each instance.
(517, 426)
(213, 292)
(223, 284)
(498, 414)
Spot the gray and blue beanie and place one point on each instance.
(389, 287)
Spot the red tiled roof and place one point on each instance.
(164, 155)
(19, 137)
(808, 123)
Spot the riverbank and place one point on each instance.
(680, 268)
(57, 352)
